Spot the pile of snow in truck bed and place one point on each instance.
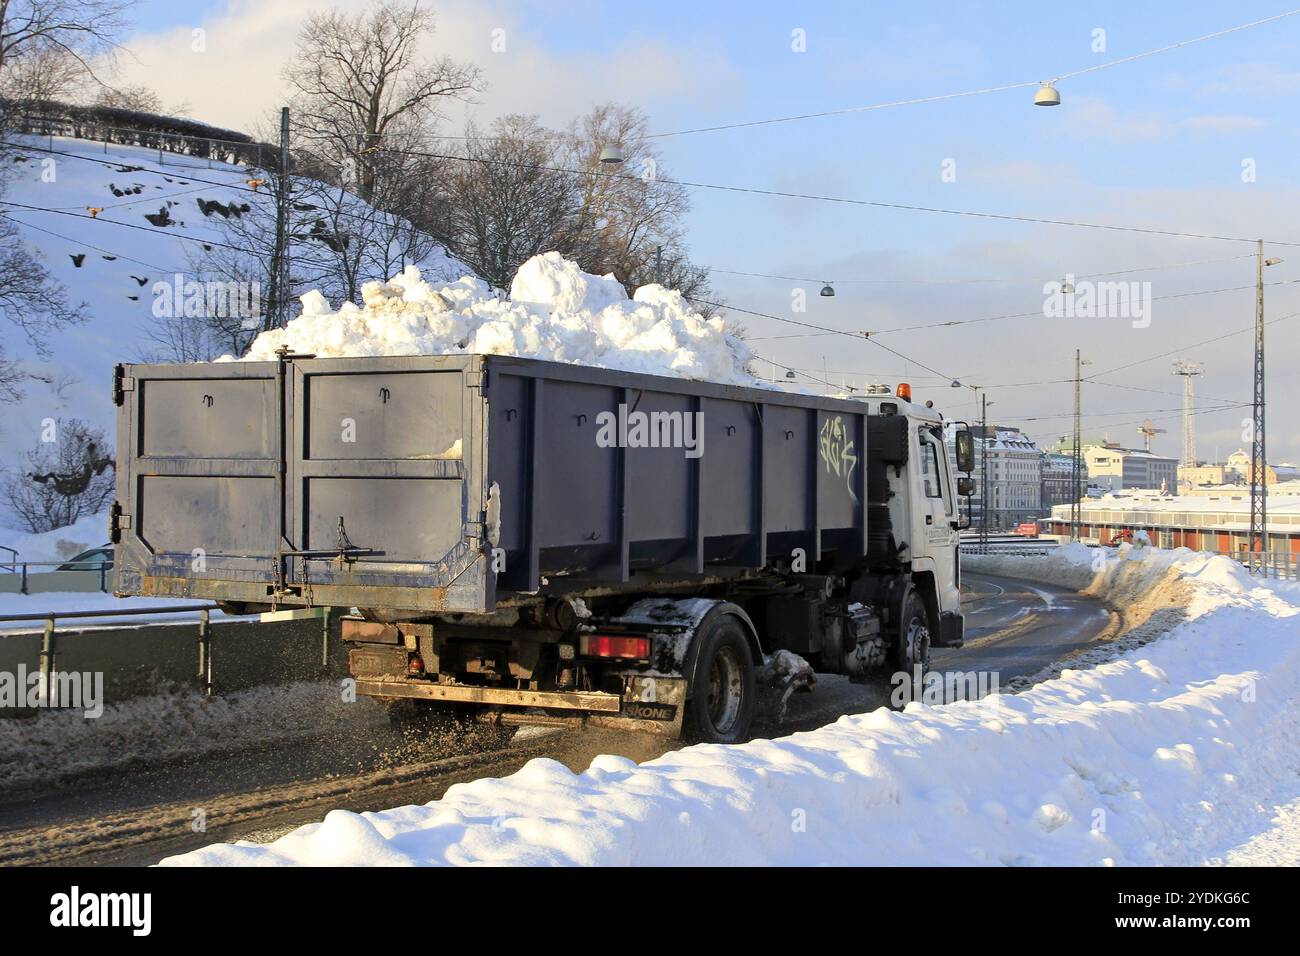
(1181, 752)
(555, 311)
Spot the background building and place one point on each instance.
(1216, 520)
(1058, 480)
(1015, 476)
(1115, 468)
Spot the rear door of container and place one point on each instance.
(196, 474)
(379, 503)
(387, 460)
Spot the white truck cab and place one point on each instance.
(923, 504)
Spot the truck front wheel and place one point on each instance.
(913, 648)
(721, 707)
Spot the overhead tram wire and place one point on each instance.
(152, 230)
(977, 92)
(330, 213)
(1193, 345)
(1173, 413)
(80, 242)
(974, 280)
(783, 194)
(871, 203)
(860, 336)
(926, 326)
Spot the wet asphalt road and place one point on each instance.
(1013, 628)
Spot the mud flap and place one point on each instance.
(952, 631)
(651, 705)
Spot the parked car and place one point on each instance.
(92, 560)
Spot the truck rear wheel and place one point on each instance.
(721, 707)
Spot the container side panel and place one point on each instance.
(580, 476)
(786, 469)
(659, 502)
(840, 460)
(730, 447)
(207, 418)
(508, 460)
(405, 520)
(221, 515)
(391, 414)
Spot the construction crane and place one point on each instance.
(1149, 431)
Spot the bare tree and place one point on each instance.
(507, 201)
(44, 72)
(359, 87)
(139, 98)
(630, 220)
(32, 300)
(83, 30)
(349, 241)
(64, 480)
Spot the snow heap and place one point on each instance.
(555, 311)
(88, 531)
(1179, 752)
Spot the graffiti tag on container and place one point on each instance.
(838, 452)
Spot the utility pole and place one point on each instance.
(280, 257)
(1076, 457)
(984, 472)
(1258, 454)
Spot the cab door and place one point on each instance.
(938, 515)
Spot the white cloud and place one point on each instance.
(237, 83)
(1091, 117)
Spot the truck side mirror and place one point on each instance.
(965, 487)
(965, 446)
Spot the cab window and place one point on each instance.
(930, 481)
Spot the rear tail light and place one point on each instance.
(415, 665)
(616, 645)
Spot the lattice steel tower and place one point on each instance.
(1189, 371)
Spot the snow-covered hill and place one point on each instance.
(150, 224)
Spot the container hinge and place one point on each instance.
(117, 520)
(474, 378)
(122, 383)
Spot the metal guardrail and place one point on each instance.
(206, 149)
(1275, 564)
(204, 673)
(104, 568)
(47, 655)
(1014, 550)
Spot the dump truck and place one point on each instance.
(519, 540)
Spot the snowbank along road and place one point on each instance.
(1178, 746)
(286, 756)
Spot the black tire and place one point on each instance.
(914, 637)
(722, 701)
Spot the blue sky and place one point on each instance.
(1159, 142)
